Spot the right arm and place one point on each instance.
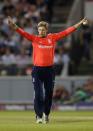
(19, 30)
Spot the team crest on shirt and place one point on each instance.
(49, 41)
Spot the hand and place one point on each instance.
(84, 21)
(12, 23)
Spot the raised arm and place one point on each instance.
(19, 30)
(58, 36)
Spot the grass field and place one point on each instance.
(59, 121)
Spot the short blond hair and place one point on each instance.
(43, 23)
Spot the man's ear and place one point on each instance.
(46, 30)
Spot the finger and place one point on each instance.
(85, 18)
(9, 17)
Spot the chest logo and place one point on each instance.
(45, 46)
(49, 41)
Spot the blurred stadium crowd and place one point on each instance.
(80, 95)
(16, 52)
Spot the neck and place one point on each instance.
(42, 36)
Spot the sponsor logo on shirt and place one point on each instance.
(45, 46)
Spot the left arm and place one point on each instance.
(58, 36)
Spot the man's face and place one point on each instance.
(42, 31)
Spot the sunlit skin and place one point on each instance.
(42, 31)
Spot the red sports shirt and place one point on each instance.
(43, 48)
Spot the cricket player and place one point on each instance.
(43, 75)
